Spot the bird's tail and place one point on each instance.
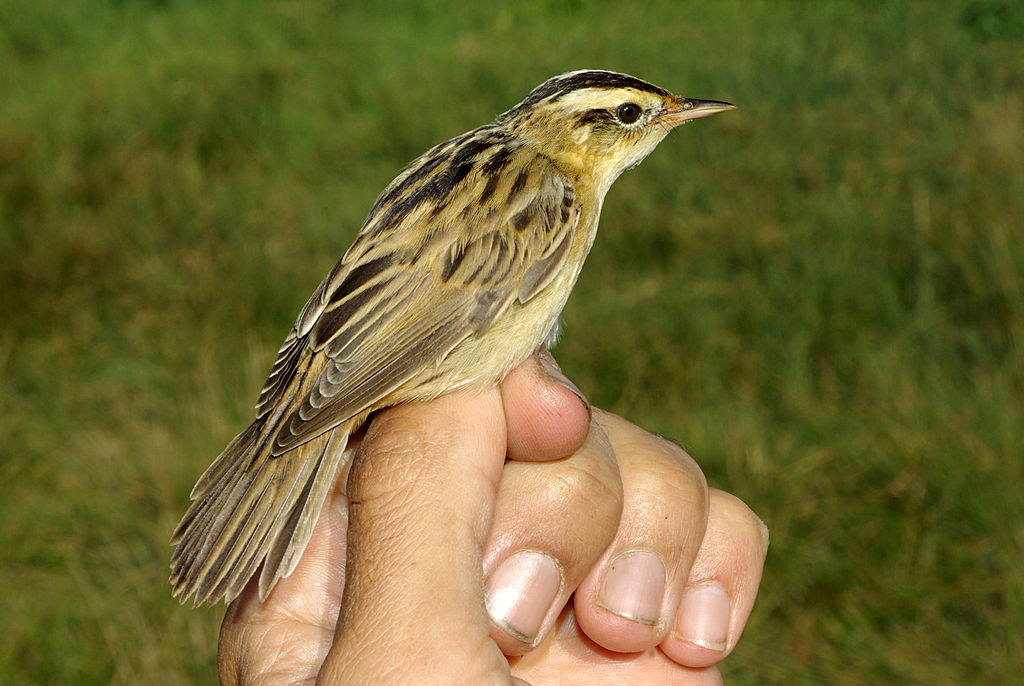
(251, 508)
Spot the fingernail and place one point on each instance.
(634, 586)
(703, 617)
(520, 592)
(551, 369)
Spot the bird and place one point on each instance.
(459, 273)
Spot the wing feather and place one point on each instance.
(435, 263)
(403, 316)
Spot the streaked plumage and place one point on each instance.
(459, 273)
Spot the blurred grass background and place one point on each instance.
(820, 294)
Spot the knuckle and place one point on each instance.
(584, 490)
(665, 472)
(592, 482)
(729, 512)
(395, 452)
(654, 461)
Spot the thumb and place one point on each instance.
(422, 492)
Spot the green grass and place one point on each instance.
(820, 294)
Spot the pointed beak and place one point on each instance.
(685, 109)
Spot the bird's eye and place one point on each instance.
(628, 113)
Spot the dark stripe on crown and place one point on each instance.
(559, 86)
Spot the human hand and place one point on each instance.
(426, 507)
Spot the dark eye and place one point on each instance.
(628, 113)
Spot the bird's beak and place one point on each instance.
(683, 110)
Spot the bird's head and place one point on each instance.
(601, 122)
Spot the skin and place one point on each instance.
(377, 619)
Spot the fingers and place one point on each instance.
(628, 601)
(658, 559)
(722, 584)
(418, 532)
(571, 659)
(421, 490)
(553, 520)
(547, 416)
(685, 565)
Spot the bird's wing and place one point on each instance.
(399, 301)
(393, 306)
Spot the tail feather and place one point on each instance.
(245, 443)
(289, 545)
(214, 474)
(250, 509)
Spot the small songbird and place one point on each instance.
(459, 273)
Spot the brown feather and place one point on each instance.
(460, 271)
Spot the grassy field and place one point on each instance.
(821, 294)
